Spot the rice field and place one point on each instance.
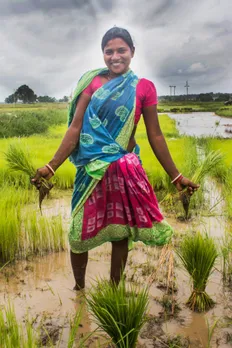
(34, 258)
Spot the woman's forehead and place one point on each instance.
(117, 42)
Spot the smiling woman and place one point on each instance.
(113, 200)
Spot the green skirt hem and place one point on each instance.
(159, 234)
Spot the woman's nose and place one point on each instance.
(115, 55)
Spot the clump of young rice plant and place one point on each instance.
(226, 253)
(206, 167)
(14, 335)
(19, 160)
(198, 254)
(42, 234)
(120, 313)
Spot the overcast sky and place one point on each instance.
(49, 44)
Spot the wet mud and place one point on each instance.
(41, 287)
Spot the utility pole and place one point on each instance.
(174, 90)
(187, 87)
(170, 90)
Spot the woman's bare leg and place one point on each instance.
(118, 259)
(79, 263)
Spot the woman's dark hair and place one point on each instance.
(115, 33)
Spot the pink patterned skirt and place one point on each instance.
(123, 197)
(122, 205)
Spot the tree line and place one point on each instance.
(26, 95)
(201, 97)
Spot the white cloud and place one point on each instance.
(197, 68)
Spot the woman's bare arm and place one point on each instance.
(69, 142)
(157, 141)
(160, 149)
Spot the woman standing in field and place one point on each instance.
(112, 199)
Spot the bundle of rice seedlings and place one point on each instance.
(120, 313)
(198, 254)
(211, 161)
(19, 160)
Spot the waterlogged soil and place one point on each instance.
(41, 288)
(201, 124)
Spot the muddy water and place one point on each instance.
(43, 286)
(203, 124)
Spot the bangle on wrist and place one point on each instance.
(177, 179)
(50, 168)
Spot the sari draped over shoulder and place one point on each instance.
(112, 198)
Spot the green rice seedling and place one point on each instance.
(74, 326)
(210, 331)
(205, 168)
(42, 234)
(120, 313)
(18, 160)
(13, 334)
(226, 257)
(12, 202)
(9, 232)
(198, 254)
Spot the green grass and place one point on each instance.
(226, 112)
(31, 107)
(23, 231)
(223, 173)
(189, 106)
(14, 334)
(26, 123)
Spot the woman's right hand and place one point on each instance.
(43, 172)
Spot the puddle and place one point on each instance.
(201, 124)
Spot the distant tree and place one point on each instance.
(223, 97)
(26, 94)
(64, 99)
(46, 99)
(205, 97)
(11, 99)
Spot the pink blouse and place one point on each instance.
(146, 94)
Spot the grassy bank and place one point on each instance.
(191, 106)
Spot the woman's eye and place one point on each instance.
(108, 53)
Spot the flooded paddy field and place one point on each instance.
(41, 287)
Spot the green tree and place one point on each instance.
(11, 99)
(64, 99)
(26, 94)
(46, 99)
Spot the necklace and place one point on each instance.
(108, 76)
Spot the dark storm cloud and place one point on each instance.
(20, 7)
(49, 44)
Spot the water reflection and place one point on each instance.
(203, 124)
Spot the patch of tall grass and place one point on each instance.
(225, 112)
(26, 123)
(32, 107)
(41, 150)
(13, 334)
(198, 254)
(119, 312)
(23, 231)
(226, 256)
(223, 173)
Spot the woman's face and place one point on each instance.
(117, 56)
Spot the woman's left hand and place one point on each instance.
(186, 183)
